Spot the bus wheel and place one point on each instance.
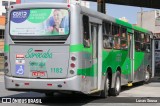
(117, 87)
(104, 92)
(49, 94)
(147, 77)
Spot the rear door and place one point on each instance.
(94, 37)
(39, 61)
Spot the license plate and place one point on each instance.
(38, 74)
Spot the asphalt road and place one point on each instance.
(128, 95)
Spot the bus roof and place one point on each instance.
(86, 11)
(113, 20)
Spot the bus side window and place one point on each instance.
(156, 45)
(147, 42)
(107, 37)
(86, 35)
(143, 44)
(116, 34)
(137, 41)
(123, 38)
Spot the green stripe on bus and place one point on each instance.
(139, 58)
(76, 48)
(130, 26)
(86, 72)
(140, 29)
(110, 60)
(123, 23)
(6, 48)
(90, 71)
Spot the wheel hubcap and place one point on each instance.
(107, 84)
(147, 76)
(118, 84)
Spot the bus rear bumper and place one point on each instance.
(24, 84)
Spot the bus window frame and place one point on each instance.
(137, 40)
(118, 37)
(107, 34)
(147, 43)
(44, 37)
(88, 31)
(125, 39)
(142, 47)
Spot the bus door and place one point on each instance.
(131, 57)
(94, 37)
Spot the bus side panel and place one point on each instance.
(139, 66)
(113, 59)
(142, 61)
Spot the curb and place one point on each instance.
(156, 79)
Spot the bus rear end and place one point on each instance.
(37, 48)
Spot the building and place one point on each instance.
(150, 20)
(2, 27)
(3, 3)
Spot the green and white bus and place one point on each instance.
(53, 47)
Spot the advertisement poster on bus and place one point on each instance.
(39, 22)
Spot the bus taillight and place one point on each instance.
(72, 65)
(26, 83)
(71, 72)
(49, 84)
(73, 58)
(68, 5)
(6, 64)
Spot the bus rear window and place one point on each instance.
(39, 22)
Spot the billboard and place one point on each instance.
(39, 22)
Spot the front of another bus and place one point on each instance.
(37, 48)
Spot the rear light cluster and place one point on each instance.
(6, 63)
(73, 58)
(72, 65)
(68, 5)
(49, 84)
(26, 83)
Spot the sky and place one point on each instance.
(129, 12)
(117, 11)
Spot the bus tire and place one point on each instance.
(104, 92)
(147, 76)
(117, 86)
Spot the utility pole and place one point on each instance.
(141, 17)
(101, 7)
